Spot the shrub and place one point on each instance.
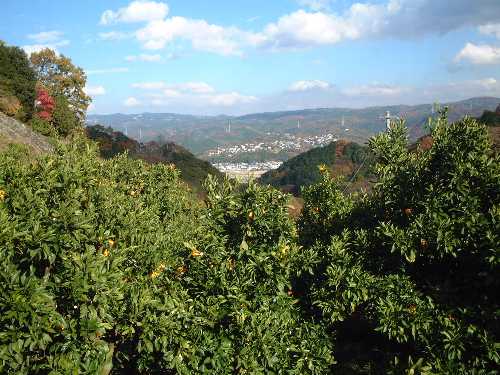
(415, 263)
(76, 247)
(111, 264)
(43, 127)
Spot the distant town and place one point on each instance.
(286, 142)
(246, 171)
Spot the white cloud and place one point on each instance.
(202, 35)
(302, 29)
(308, 85)
(31, 48)
(114, 35)
(106, 71)
(230, 99)
(197, 87)
(316, 26)
(131, 102)
(136, 11)
(46, 36)
(94, 90)
(393, 18)
(186, 87)
(481, 54)
(45, 39)
(315, 4)
(490, 29)
(149, 85)
(171, 93)
(458, 90)
(192, 94)
(374, 90)
(144, 57)
(482, 84)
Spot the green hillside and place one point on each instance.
(491, 118)
(193, 170)
(341, 158)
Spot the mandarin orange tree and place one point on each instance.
(407, 276)
(79, 237)
(110, 266)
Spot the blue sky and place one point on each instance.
(235, 57)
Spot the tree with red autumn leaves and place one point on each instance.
(45, 104)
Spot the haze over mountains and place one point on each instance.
(203, 133)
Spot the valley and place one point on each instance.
(255, 143)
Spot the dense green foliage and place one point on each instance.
(193, 170)
(491, 118)
(43, 127)
(414, 266)
(112, 259)
(300, 171)
(110, 266)
(64, 118)
(17, 82)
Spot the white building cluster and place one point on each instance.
(284, 142)
(247, 167)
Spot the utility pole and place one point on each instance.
(388, 120)
(298, 124)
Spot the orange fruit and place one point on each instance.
(196, 253)
(424, 244)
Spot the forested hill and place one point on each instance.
(492, 120)
(193, 170)
(341, 158)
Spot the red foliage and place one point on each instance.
(45, 104)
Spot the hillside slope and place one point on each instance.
(342, 158)
(193, 170)
(492, 120)
(15, 132)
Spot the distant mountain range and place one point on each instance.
(202, 133)
(349, 159)
(193, 170)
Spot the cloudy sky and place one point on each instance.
(235, 57)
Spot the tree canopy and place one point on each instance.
(17, 82)
(57, 74)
